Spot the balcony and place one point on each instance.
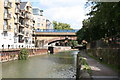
(5, 28)
(17, 1)
(27, 25)
(22, 15)
(21, 41)
(27, 16)
(31, 24)
(26, 40)
(21, 33)
(26, 35)
(8, 4)
(7, 16)
(15, 31)
(22, 25)
(16, 21)
(28, 9)
(17, 11)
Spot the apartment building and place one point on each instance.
(1, 22)
(17, 23)
(26, 25)
(7, 11)
(41, 22)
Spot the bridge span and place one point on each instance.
(45, 36)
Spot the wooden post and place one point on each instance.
(78, 66)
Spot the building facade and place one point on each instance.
(26, 25)
(41, 22)
(7, 23)
(16, 26)
(49, 25)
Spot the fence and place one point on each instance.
(78, 66)
(111, 42)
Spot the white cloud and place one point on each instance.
(73, 15)
(67, 11)
(61, 3)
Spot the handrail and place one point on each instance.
(55, 30)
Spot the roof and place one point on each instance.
(22, 5)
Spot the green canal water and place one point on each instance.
(60, 65)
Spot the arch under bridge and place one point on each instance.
(45, 37)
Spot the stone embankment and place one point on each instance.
(12, 54)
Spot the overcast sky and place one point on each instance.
(67, 11)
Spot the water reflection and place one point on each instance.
(61, 65)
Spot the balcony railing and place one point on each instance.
(7, 4)
(55, 30)
(17, 1)
(16, 31)
(22, 15)
(5, 28)
(27, 16)
(27, 25)
(16, 21)
(17, 11)
(21, 41)
(21, 32)
(22, 25)
(7, 16)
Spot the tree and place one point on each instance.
(103, 22)
(23, 55)
(61, 26)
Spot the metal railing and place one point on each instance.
(55, 30)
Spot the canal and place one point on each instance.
(60, 65)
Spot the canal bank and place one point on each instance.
(7, 55)
(60, 65)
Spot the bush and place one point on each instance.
(23, 54)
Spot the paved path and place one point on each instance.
(99, 70)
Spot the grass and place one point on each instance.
(86, 66)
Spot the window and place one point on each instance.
(36, 11)
(38, 19)
(5, 25)
(5, 34)
(38, 24)
(15, 40)
(10, 26)
(43, 19)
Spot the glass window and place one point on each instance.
(36, 11)
(38, 24)
(38, 19)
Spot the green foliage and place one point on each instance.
(23, 54)
(103, 22)
(73, 43)
(61, 26)
(86, 66)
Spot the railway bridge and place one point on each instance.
(47, 37)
